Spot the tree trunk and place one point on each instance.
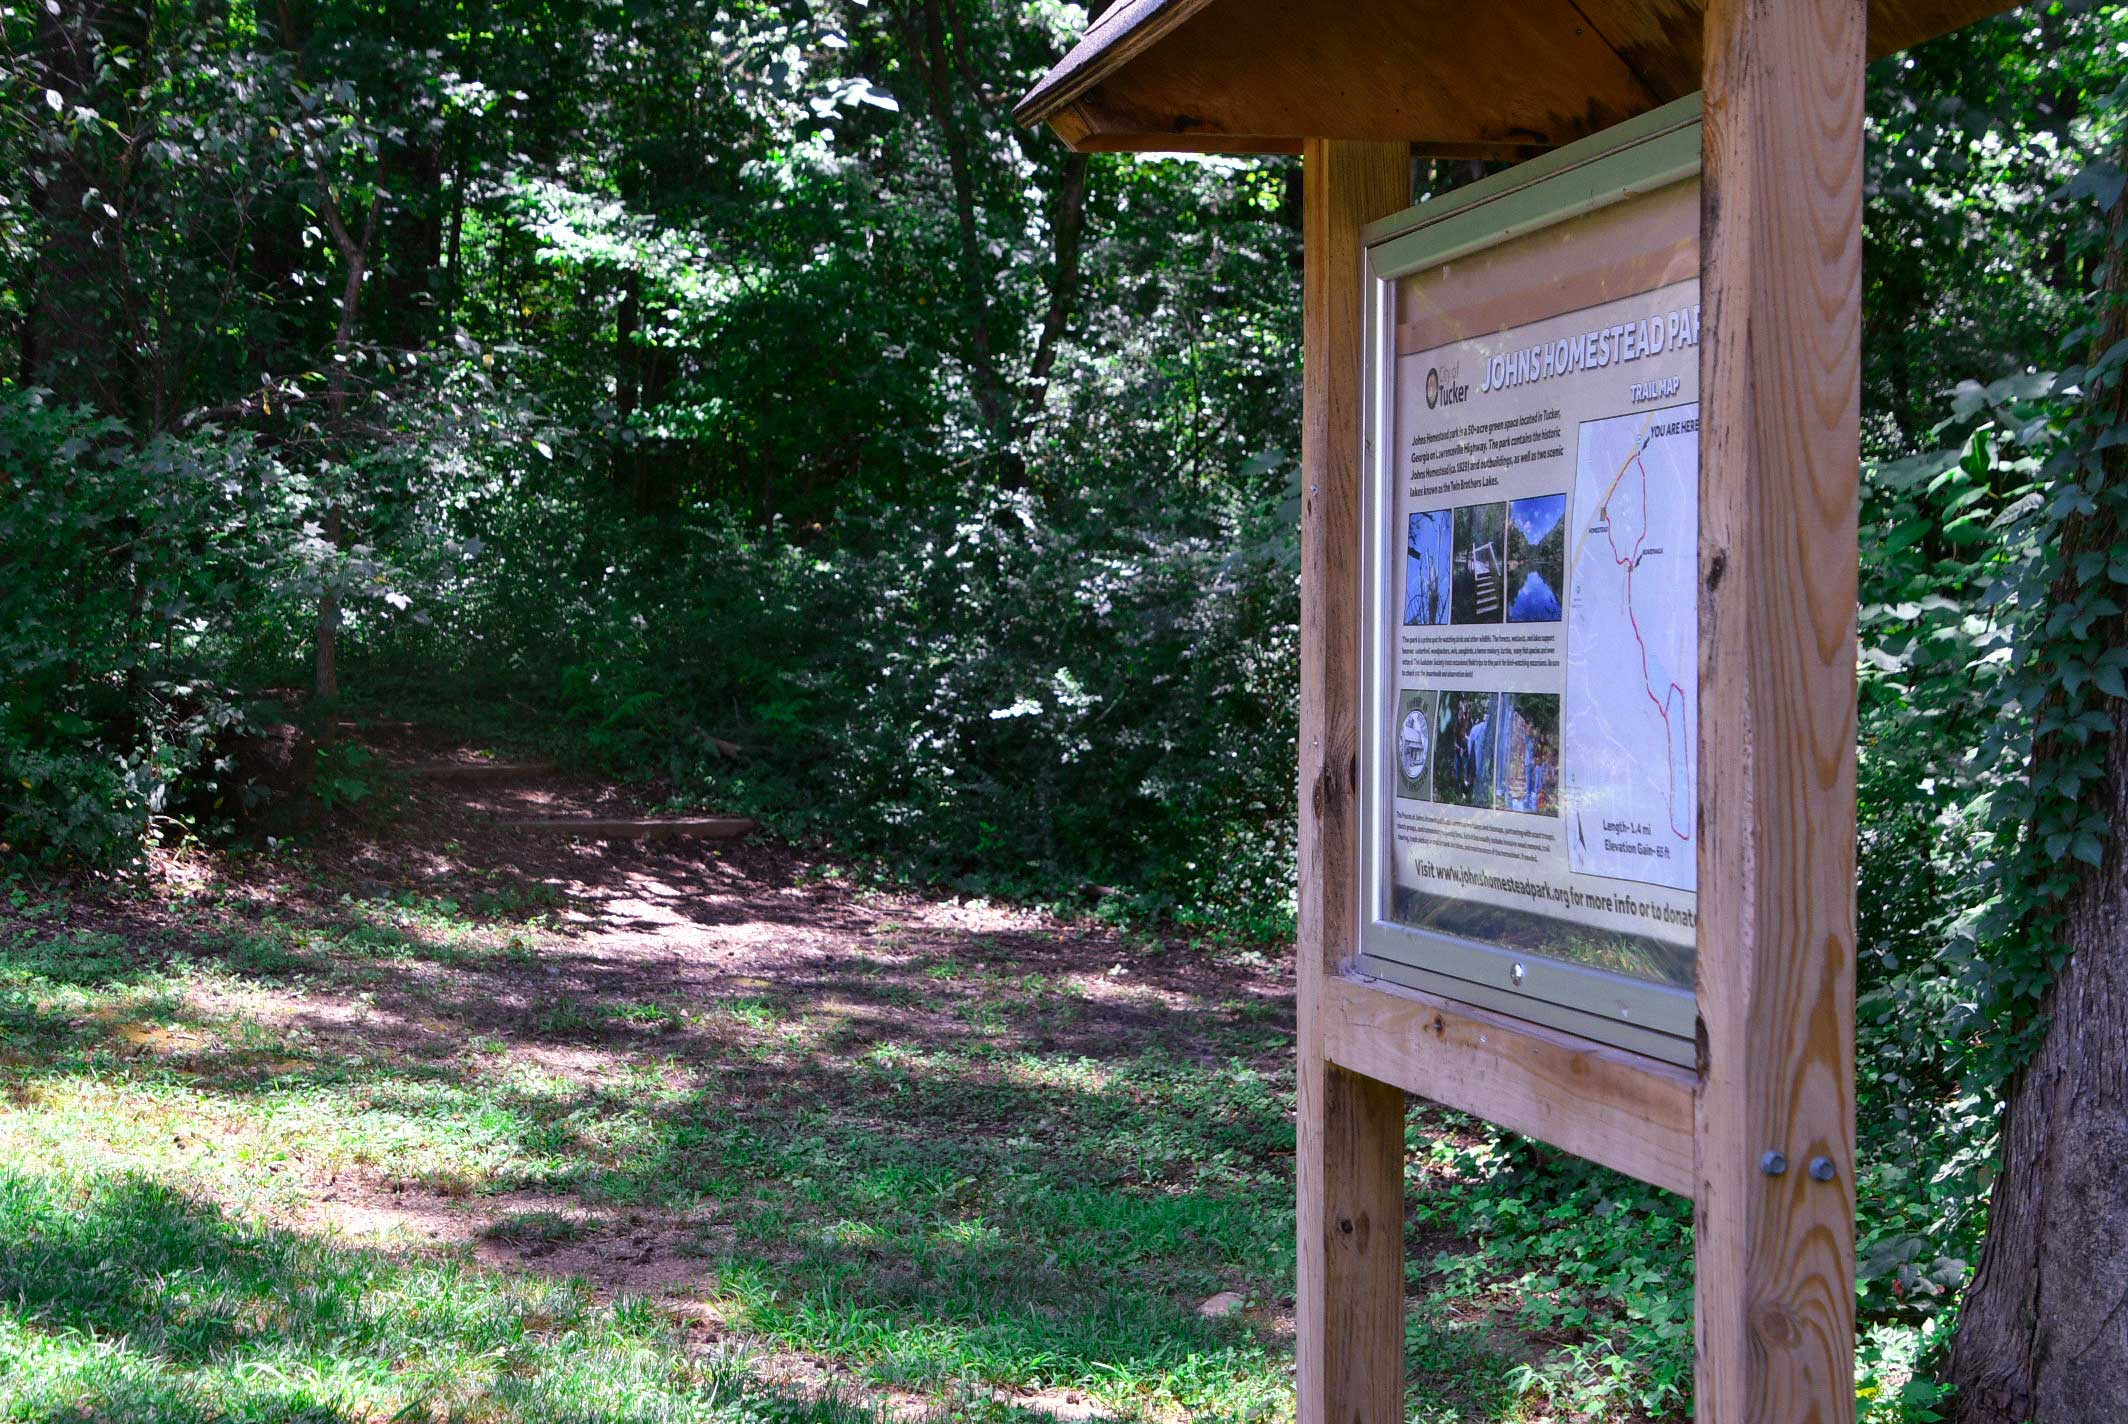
(408, 259)
(453, 252)
(924, 36)
(326, 671)
(2043, 1333)
(68, 343)
(1067, 229)
(627, 355)
(326, 663)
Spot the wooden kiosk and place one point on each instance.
(1709, 1048)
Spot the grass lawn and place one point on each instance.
(696, 1136)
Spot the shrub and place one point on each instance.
(135, 574)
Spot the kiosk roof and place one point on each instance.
(1503, 80)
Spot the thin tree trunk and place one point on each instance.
(454, 279)
(326, 664)
(356, 254)
(404, 311)
(924, 33)
(1067, 230)
(627, 356)
(68, 343)
(2043, 1332)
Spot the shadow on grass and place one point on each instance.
(923, 1158)
(882, 982)
(121, 1299)
(951, 1210)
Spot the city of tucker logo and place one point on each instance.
(1445, 386)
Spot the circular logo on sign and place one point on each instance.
(1433, 386)
(1414, 744)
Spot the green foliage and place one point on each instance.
(793, 398)
(1891, 1382)
(1991, 655)
(150, 582)
(341, 779)
(133, 568)
(1014, 698)
(1569, 1250)
(1992, 649)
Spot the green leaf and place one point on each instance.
(1907, 533)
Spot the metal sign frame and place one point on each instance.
(1658, 150)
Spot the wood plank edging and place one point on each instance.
(654, 828)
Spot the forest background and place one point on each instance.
(737, 399)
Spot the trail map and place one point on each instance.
(1632, 714)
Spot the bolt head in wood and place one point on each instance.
(1773, 1164)
(1822, 1169)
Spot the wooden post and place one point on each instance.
(1780, 400)
(1349, 1294)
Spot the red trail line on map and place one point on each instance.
(1675, 693)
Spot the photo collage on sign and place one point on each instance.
(1495, 563)
(1486, 563)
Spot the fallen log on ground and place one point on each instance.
(481, 770)
(649, 828)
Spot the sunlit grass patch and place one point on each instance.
(542, 1227)
(568, 1018)
(258, 1136)
(655, 1017)
(128, 1300)
(81, 960)
(958, 1318)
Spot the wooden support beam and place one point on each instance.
(1349, 1296)
(1631, 1113)
(1779, 457)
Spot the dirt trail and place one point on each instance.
(634, 944)
(702, 920)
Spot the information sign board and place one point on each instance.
(1531, 660)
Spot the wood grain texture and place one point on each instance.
(1627, 1111)
(1262, 75)
(1119, 35)
(1273, 71)
(1354, 1372)
(1779, 457)
(1348, 1298)
(1610, 253)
